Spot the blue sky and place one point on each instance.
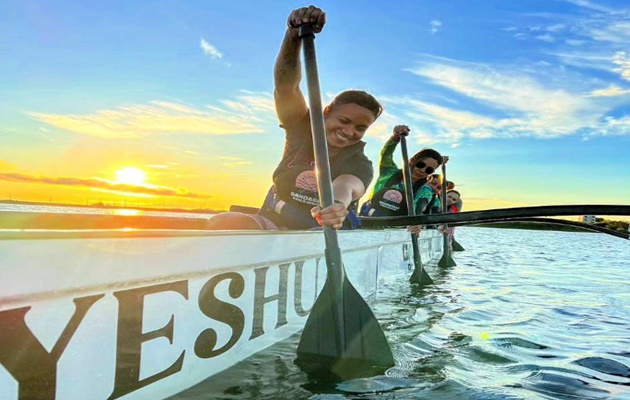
(531, 99)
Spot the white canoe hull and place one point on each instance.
(145, 315)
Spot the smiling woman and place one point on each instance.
(130, 176)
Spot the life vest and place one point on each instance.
(298, 185)
(386, 202)
(290, 200)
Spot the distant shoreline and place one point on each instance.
(534, 226)
(107, 206)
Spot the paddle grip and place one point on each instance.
(306, 30)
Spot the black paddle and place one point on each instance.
(419, 275)
(446, 260)
(456, 246)
(501, 213)
(341, 339)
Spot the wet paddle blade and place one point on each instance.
(457, 246)
(363, 350)
(446, 260)
(419, 275)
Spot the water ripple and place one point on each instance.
(523, 315)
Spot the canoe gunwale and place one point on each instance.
(12, 301)
(49, 234)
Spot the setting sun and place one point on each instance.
(130, 176)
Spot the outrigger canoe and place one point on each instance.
(145, 314)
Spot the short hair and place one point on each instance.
(454, 191)
(358, 97)
(427, 153)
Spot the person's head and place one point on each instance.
(435, 182)
(349, 116)
(450, 185)
(452, 197)
(424, 163)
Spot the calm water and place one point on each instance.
(524, 315)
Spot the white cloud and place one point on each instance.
(435, 26)
(575, 42)
(210, 50)
(546, 38)
(507, 91)
(514, 104)
(555, 27)
(616, 31)
(620, 59)
(590, 5)
(599, 59)
(610, 91)
(597, 31)
(248, 113)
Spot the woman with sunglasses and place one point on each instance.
(388, 196)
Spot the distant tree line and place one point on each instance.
(619, 226)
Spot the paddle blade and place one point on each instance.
(363, 350)
(456, 246)
(420, 276)
(446, 261)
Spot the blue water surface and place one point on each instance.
(524, 315)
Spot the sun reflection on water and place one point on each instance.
(127, 212)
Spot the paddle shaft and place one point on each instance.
(419, 275)
(336, 273)
(445, 210)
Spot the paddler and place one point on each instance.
(292, 202)
(388, 195)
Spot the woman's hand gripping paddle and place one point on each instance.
(419, 275)
(342, 338)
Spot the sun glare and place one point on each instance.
(130, 176)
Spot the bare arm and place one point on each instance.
(348, 188)
(290, 103)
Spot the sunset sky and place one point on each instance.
(530, 99)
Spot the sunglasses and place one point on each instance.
(421, 164)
